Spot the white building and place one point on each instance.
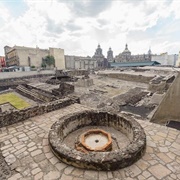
(165, 59)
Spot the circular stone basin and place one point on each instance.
(98, 156)
(96, 140)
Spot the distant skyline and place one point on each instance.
(78, 26)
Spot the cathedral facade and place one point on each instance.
(126, 56)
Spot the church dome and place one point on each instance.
(126, 50)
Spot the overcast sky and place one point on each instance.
(77, 26)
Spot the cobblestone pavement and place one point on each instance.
(25, 149)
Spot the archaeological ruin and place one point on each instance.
(80, 124)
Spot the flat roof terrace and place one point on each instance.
(25, 153)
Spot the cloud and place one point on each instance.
(87, 8)
(78, 26)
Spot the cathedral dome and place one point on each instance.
(126, 51)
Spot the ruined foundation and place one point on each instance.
(109, 154)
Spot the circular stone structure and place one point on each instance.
(104, 159)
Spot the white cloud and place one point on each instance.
(175, 8)
(4, 14)
(61, 23)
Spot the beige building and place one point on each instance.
(178, 61)
(27, 56)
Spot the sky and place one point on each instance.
(78, 26)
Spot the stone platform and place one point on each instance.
(26, 153)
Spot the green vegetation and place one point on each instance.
(13, 99)
(48, 60)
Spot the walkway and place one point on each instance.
(27, 155)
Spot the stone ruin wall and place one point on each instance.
(63, 90)
(14, 82)
(11, 117)
(129, 77)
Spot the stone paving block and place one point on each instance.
(40, 157)
(35, 171)
(20, 151)
(10, 159)
(78, 172)
(6, 147)
(164, 157)
(117, 174)
(32, 148)
(91, 174)
(54, 160)
(159, 171)
(14, 140)
(110, 175)
(46, 148)
(38, 176)
(146, 174)
(52, 175)
(140, 177)
(60, 166)
(49, 155)
(35, 153)
(68, 170)
(66, 177)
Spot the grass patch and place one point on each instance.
(13, 99)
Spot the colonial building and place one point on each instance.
(27, 56)
(97, 61)
(98, 56)
(126, 56)
(110, 57)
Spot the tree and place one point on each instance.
(49, 60)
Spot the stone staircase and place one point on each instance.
(30, 94)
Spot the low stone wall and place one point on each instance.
(128, 77)
(63, 90)
(110, 160)
(160, 83)
(11, 117)
(71, 73)
(14, 82)
(169, 108)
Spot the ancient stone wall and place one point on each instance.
(59, 73)
(63, 90)
(11, 117)
(129, 77)
(169, 108)
(14, 82)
